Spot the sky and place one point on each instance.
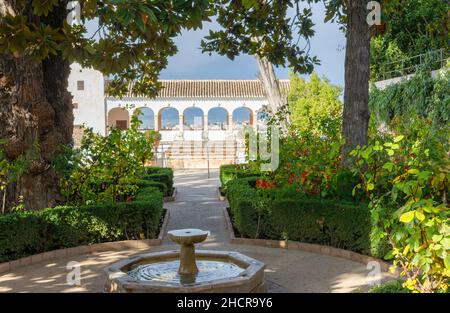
(189, 63)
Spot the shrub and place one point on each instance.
(325, 222)
(153, 184)
(160, 175)
(297, 217)
(232, 171)
(27, 233)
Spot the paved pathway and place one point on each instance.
(197, 206)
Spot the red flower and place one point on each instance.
(291, 179)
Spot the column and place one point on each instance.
(156, 120)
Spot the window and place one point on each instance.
(169, 119)
(242, 116)
(193, 119)
(80, 85)
(217, 119)
(147, 119)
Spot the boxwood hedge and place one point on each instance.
(27, 233)
(161, 175)
(335, 223)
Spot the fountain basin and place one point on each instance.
(220, 271)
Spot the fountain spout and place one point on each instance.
(186, 238)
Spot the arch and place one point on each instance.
(169, 119)
(193, 119)
(242, 116)
(147, 118)
(118, 118)
(218, 119)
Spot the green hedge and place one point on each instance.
(231, 172)
(153, 184)
(161, 175)
(334, 223)
(28, 233)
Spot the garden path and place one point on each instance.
(197, 205)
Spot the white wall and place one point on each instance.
(91, 100)
(388, 82)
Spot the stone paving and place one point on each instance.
(196, 206)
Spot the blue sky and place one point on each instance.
(328, 44)
(189, 63)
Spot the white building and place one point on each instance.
(187, 113)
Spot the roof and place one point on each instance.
(214, 89)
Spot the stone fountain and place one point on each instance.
(187, 270)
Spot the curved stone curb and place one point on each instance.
(308, 247)
(89, 249)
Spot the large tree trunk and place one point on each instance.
(272, 88)
(356, 98)
(35, 111)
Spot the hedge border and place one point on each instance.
(308, 247)
(7, 267)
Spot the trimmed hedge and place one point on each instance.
(153, 184)
(334, 223)
(28, 233)
(231, 172)
(161, 175)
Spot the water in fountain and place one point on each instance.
(187, 270)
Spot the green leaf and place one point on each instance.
(398, 138)
(420, 216)
(407, 217)
(447, 261)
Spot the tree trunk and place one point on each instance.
(357, 72)
(35, 111)
(272, 88)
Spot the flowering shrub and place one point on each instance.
(408, 184)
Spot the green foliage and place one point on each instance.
(280, 214)
(410, 27)
(314, 106)
(162, 176)
(231, 171)
(105, 169)
(391, 287)
(28, 233)
(311, 165)
(136, 35)
(245, 30)
(421, 96)
(408, 183)
(11, 171)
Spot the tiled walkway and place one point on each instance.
(196, 206)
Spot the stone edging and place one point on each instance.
(89, 249)
(172, 197)
(219, 195)
(308, 247)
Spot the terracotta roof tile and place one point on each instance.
(214, 89)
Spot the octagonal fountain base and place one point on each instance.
(219, 272)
